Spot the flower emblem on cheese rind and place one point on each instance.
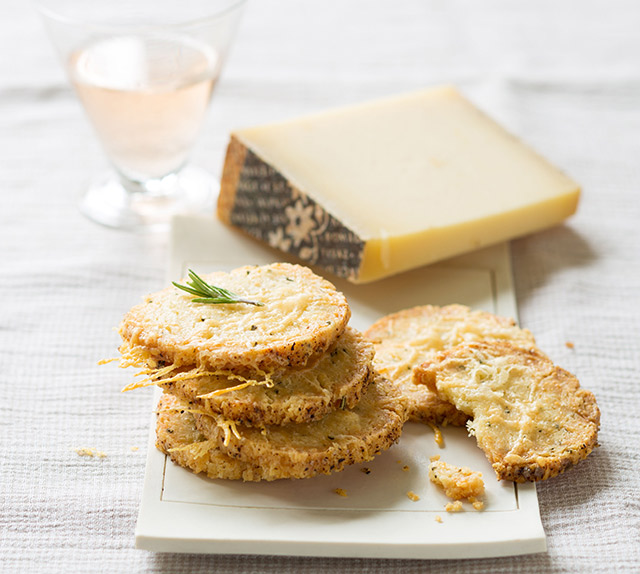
(301, 222)
(277, 239)
(272, 210)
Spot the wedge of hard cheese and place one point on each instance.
(379, 188)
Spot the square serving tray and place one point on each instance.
(184, 512)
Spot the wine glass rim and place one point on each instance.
(45, 8)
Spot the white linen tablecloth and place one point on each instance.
(563, 75)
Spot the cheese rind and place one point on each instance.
(259, 200)
(373, 190)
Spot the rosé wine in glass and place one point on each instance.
(144, 72)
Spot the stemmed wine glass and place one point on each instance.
(144, 71)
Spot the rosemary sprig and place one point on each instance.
(206, 293)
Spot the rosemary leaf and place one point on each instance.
(210, 294)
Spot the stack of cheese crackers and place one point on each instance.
(273, 384)
(263, 379)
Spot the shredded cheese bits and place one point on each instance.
(198, 449)
(413, 496)
(139, 357)
(437, 435)
(438, 518)
(229, 428)
(90, 452)
(157, 377)
(340, 492)
(267, 382)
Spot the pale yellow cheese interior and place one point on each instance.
(419, 177)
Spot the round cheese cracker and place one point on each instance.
(531, 418)
(300, 317)
(337, 380)
(341, 438)
(178, 437)
(405, 339)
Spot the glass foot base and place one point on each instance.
(150, 206)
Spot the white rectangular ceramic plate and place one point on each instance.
(183, 512)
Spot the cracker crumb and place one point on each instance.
(413, 496)
(366, 470)
(405, 467)
(90, 452)
(437, 435)
(458, 482)
(454, 506)
(569, 344)
(340, 492)
(477, 504)
(438, 518)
